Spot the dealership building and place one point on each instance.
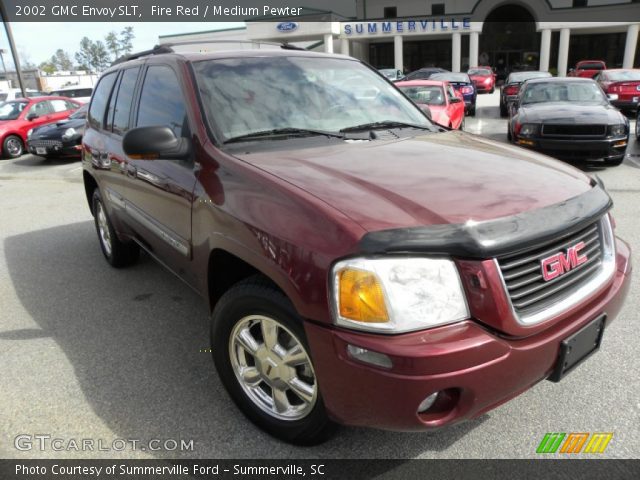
(408, 34)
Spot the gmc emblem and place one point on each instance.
(560, 263)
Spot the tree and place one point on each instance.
(120, 44)
(92, 56)
(47, 67)
(61, 60)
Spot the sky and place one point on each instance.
(37, 42)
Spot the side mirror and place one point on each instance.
(612, 97)
(32, 116)
(155, 143)
(455, 100)
(426, 110)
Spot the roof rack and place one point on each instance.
(168, 47)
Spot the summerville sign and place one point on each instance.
(406, 26)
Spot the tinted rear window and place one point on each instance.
(591, 66)
(100, 99)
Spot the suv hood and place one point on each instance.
(438, 178)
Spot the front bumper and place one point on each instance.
(476, 368)
(54, 147)
(576, 148)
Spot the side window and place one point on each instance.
(451, 92)
(71, 105)
(59, 105)
(40, 108)
(123, 102)
(112, 104)
(161, 102)
(100, 100)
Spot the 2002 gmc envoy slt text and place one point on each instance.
(363, 266)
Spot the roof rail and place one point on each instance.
(158, 49)
(168, 48)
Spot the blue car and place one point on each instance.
(463, 84)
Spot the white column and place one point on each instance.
(328, 43)
(456, 52)
(398, 53)
(630, 46)
(545, 49)
(563, 52)
(344, 46)
(473, 49)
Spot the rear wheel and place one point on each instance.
(472, 111)
(638, 125)
(118, 253)
(503, 110)
(509, 137)
(262, 356)
(12, 147)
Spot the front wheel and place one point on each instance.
(638, 126)
(262, 356)
(118, 253)
(12, 147)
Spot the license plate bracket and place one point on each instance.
(41, 151)
(577, 347)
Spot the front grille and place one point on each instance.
(522, 272)
(574, 130)
(45, 143)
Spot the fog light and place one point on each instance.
(525, 142)
(428, 402)
(620, 143)
(367, 356)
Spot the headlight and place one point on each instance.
(29, 132)
(396, 295)
(528, 129)
(618, 130)
(69, 132)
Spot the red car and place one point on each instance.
(622, 86)
(446, 105)
(21, 115)
(587, 68)
(483, 78)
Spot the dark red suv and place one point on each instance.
(362, 265)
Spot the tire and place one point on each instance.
(119, 254)
(472, 111)
(503, 110)
(509, 136)
(493, 89)
(462, 123)
(238, 320)
(614, 162)
(12, 147)
(638, 127)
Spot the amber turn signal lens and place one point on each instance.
(361, 297)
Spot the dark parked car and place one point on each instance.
(568, 118)
(63, 138)
(362, 266)
(423, 73)
(622, 86)
(463, 84)
(511, 87)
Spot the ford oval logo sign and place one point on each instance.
(287, 26)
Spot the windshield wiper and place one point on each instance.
(274, 132)
(384, 124)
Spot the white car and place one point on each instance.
(81, 94)
(13, 93)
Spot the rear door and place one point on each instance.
(160, 192)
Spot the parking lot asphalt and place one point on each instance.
(89, 352)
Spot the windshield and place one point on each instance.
(479, 71)
(242, 96)
(624, 75)
(522, 76)
(579, 92)
(451, 77)
(591, 66)
(428, 95)
(389, 73)
(80, 113)
(11, 110)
